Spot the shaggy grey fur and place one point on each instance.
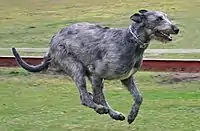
(102, 53)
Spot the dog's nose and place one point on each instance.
(175, 29)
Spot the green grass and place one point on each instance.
(42, 102)
(26, 23)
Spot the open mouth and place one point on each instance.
(163, 35)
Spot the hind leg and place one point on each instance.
(99, 98)
(76, 71)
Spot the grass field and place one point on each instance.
(26, 23)
(41, 102)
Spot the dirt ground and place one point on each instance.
(171, 78)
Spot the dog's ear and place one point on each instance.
(142, 11)
(137, 18)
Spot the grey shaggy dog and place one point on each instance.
(102, 53)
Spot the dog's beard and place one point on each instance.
(161, 39)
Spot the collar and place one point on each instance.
(138, 41)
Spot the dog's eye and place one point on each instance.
(159, 19)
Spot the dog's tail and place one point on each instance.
(37, 68)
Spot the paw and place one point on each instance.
(102, 109)
(131, 118)
(117, 116)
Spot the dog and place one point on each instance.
(103, 53)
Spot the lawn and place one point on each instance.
(27, 23)
(42, 102)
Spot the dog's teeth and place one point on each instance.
(169, 38)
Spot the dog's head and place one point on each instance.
(156, 24)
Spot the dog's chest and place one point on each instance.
(127, 75)
(120, 68)
(134, 67)
(124, 73)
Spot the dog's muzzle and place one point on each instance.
(175, 29)
(166, 34)
(163, 35)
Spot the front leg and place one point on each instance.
(130, 85)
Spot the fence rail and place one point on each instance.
(156, 65)
(148, 51)
(149, 64)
